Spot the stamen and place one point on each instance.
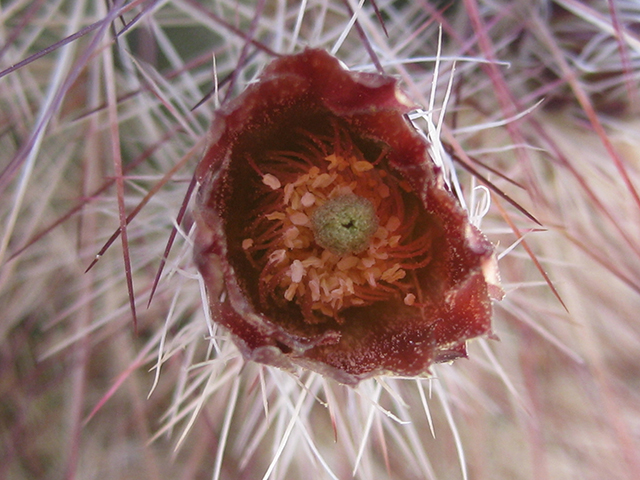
(297, 271)
(333, 232)
(299, 218)
(362, 166)
(271, 181)
(308, 199)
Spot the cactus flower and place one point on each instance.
(326, 236)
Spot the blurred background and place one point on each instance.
(105, 108)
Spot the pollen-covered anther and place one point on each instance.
(299, 218)
(308, 199)
(277, 256)
(297, 271)
(271, 181)
(393, 274)
(409, 299)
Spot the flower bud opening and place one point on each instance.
(345, 224)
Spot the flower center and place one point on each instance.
(333, 230)
(345, 224)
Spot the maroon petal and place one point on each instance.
(309, 136)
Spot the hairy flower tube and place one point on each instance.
(326, 236)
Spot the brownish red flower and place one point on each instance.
(340, 248)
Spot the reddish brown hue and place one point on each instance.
(299, 105)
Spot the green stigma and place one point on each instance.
(345, 224)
